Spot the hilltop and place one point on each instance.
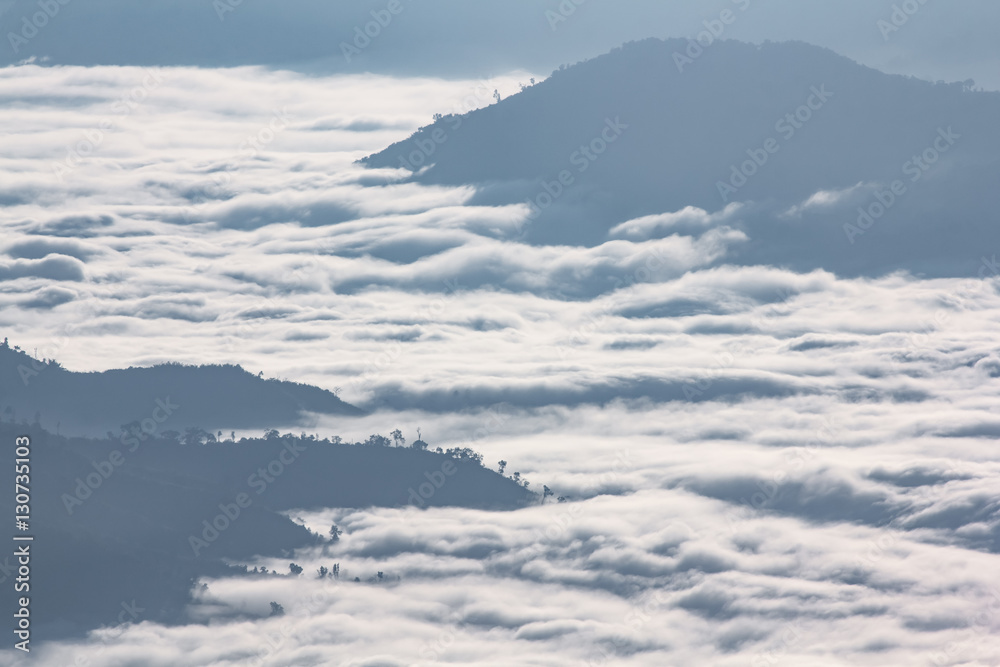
(798, 135)
(174, 397)
(114, 521)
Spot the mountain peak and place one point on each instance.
(657, 126)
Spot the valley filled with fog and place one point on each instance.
(762, 459)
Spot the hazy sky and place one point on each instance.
(941, 40)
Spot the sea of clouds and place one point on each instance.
(760, 467)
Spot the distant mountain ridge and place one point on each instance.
(807, 140)
(168, 396)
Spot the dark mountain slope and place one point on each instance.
(688, 130)
(114, 524)
(209, 397)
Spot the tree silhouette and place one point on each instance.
(296, 570)
(465, 454)
(196, 436)
(277, 609)
(503, 466)
(335, 533)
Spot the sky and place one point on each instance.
(935, 40)
(765, 466)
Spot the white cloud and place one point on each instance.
(651, 225)
(829, 199)
(826, 496)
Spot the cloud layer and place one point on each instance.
(760, 466)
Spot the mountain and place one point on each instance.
(127, 517)
(165, 397)
(114, 522)
(835, 165)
